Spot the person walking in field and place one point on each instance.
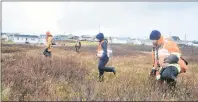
(47, 52)
(78, 45)
(103, 57)
(166, 58)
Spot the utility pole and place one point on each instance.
(170, 34)
(99, 28)
(185, 37)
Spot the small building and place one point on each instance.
(194, 43)
(121, 40)
(75, 37)
(175, 38)
(22, 39)
(137, 42)
(42, 39)
(70, 36)
(65, 37)
(179, 41)
(146, 42)
(86, 38)
(4, 36)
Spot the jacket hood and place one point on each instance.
(100, 36)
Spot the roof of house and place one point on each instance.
(122, 38)
(195, 42)
(42, 34)
(31, 36)
(175, 38)
(3, 33)
(86, 36)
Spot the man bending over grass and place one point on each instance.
(167, 59)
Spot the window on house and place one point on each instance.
(32, 39)
(17, 38)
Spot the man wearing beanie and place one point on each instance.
(103, 56)
(167, 59)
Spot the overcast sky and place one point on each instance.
(127, 19)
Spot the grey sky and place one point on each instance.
(115, 18)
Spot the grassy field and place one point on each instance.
(70, 76)
(73, 43)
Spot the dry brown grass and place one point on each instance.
(28, 75)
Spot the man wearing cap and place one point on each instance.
(103, 56)
(167, 58)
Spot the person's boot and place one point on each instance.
(101, 78)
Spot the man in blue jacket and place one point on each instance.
(103, 56)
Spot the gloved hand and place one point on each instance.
(158, 77)
(153, 72)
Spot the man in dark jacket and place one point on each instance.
(103, 56)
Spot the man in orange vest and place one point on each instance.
(48, 49)
(167, 59)
(103, 56)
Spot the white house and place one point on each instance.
(22, 39)
(42, 39)
(86, 38)
(174, 38)
(4, 36)
(119, 40)
(137, 41)
(147, 42)
(194, 43)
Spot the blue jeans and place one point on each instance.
(102, 68)
(169, 74)
(47, 53)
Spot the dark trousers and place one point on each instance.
(169, 75)
(77, 48)
(47, 53)
(102, 68)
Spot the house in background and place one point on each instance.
(4, 36)
(75, 37)
(146, 42)
(192, 43)
(86, 38)
(22, 39)
(64, 37)
(42, 39)
(121, 40)
(60, 37)
(175, 38)
(70, 36)
(137, 42)
(195, 43)
(179, 41)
